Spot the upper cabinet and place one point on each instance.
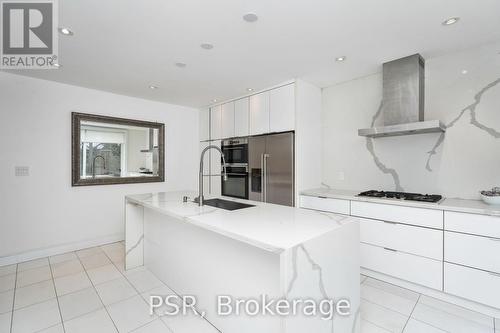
(270, 111)
(241, 117)
(282, 108)
(227, 116)
(204, 124)
(259, 113)
(215, 122)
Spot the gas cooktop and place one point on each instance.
(402, 196)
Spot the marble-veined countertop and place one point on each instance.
(274, 228)
(448, 204)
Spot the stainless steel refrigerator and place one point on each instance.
(271, 168)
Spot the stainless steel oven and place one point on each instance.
(235, 150)
(236, 185)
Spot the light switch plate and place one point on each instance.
(22, 171)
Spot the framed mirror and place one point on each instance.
(107, 150)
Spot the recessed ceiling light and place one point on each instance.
(180, 64)
(66, 31)
(451, 20)
(207, 46)
(340, 59)
(464, 71)
(249, 89)
(250, 17)
(152, 87)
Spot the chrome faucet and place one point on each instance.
(200, 196)
(93, 164)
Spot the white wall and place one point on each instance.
(43, 210)
(466, 162)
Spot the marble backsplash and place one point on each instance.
(462, 90)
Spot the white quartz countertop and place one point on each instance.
(271, 227)
(448, 204)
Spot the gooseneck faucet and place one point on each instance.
(93, 164)
(200, 195)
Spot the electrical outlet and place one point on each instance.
(341, 175)
(22, 171)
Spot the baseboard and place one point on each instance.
(477, 307)
(59, 249)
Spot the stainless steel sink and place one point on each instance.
(226, 204)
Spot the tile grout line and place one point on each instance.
(13, 300)
(138, 294)
(378, 326)
(95, 290)
(412, 310)
(385, 307)
(57, 298)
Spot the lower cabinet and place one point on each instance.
(423, 271)
(473, 251)
(473, 284)
(338, 206)
(216, 185)
(424, 242)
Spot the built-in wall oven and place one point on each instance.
(236, 185)
(236, 154)
(235, 151)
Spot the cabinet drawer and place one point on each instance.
(419, 270)
(431, 218)
(473, 284)
(483, 225)
(474, 251)
(415, 240)
(325, 204)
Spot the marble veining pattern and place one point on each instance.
(472, 109)
(321, 284)
(369, 146)
(133, 247)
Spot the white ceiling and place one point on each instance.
(124, 46)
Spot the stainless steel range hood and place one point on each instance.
(403, 100)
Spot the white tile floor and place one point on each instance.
(388, 308)
(88, 291)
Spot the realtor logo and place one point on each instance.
(29, 34)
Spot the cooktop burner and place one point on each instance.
(402, 196)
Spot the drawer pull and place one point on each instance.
(389, 249)
(495, 274)
(320, 197)
(389, 222)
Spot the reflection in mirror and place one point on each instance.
(112, 149)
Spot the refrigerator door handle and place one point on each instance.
(262, 177)
(264, 172)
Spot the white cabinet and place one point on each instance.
(473, 251)
(241, 117)
(227, 120)
(431, 218)
(216, 186)
(259, 113)
(216, 163)
(206, 158)
(282, 108)
(472, 284)
(420, 241)
(338, 206)
(483, 225)
(409, 267)
(215, 122)
(204, 124)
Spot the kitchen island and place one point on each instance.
(281, 252)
